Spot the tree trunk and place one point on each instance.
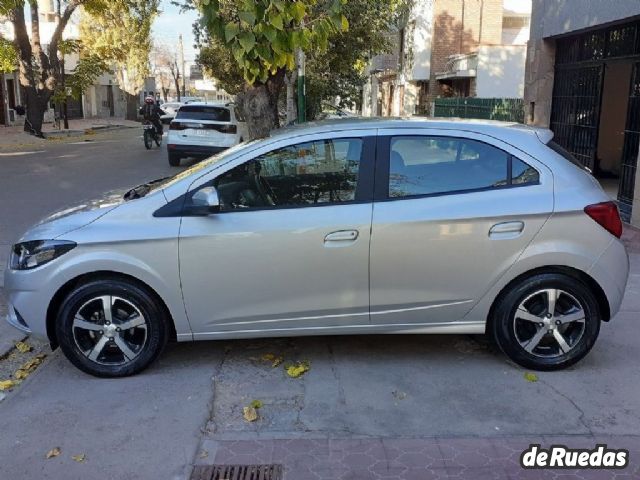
(177, 82)
(260, 106)
(36, 105)
(292, 104)
(132, 106)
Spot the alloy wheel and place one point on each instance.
(109, 330)
(549, 323)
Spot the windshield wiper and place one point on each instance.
(141, 190)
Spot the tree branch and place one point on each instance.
(62, 24)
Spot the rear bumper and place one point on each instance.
(611, 271)
(193, 150)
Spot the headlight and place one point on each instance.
(27, 255)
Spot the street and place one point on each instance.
(369, 406)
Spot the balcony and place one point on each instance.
(459, 66)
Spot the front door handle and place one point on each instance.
(506, 230)
(342, 236)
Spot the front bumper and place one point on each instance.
(193, 150)
(28, 295)
(14, 319)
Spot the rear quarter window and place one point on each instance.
(197, 112)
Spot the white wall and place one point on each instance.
(500, 72)
(420, 44)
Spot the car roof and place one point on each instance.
(492, 128)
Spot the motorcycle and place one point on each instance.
(150, 135)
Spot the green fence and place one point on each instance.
(507, 109)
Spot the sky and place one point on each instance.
(170, 23)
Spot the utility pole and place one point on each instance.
(181, 59)
(63, 72)
(302, 107)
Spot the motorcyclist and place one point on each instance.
(151, 112)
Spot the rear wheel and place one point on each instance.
(547, 322)
(111, 328)
(174, 160)
(148, 141)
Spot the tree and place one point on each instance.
(39, 67)
(338, 72)
(167, 64)
(263, 37)
(120, 33)
(8, 56)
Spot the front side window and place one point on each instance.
(312, 173)
(421, 165)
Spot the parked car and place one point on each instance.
(170, 109)
(202, 129)
(344, 227)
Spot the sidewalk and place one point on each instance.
(15, 136)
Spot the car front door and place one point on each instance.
(289, 249)
(452, 213)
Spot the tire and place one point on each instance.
(523, 330)
(148, 141)
(174, 160)
(84, 333)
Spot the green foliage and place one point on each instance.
(262, 35)
(8, 56)
(119, 32)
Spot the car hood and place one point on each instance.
(73, 218)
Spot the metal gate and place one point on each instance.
(577, 96)
(576, 110)
(630, 148)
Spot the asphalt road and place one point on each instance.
(187, 408)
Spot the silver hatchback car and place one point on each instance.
(345, 227)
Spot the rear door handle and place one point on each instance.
(342, 236)
(506, 230)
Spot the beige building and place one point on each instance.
(449, 48)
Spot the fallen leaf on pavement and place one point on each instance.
(298, 369)
(79, 458)
(29, 367)
(7, 384)
(256, 404)
(273, 359)
(203, 454)
(23, 347)
(399, 395)
(530, 377)
(54, 452)
(250, 414)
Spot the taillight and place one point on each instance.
(228, 129)
(606, 214)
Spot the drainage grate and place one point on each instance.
(237, 472)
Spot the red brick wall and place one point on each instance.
(460, 26)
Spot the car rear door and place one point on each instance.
(452, 213)
(290, 249)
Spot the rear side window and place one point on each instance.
(564, 153)
(200, 112)
(421, 165)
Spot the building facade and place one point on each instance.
(583, 81)
(465, 48)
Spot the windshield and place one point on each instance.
(201, 112)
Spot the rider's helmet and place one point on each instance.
(149, 100)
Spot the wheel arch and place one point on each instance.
(601, 298)
(64, 290)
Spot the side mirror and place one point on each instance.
(204, 202)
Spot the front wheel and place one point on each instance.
(148, 141)
(547, 321)
(111, 328)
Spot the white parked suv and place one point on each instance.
(203, 129)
